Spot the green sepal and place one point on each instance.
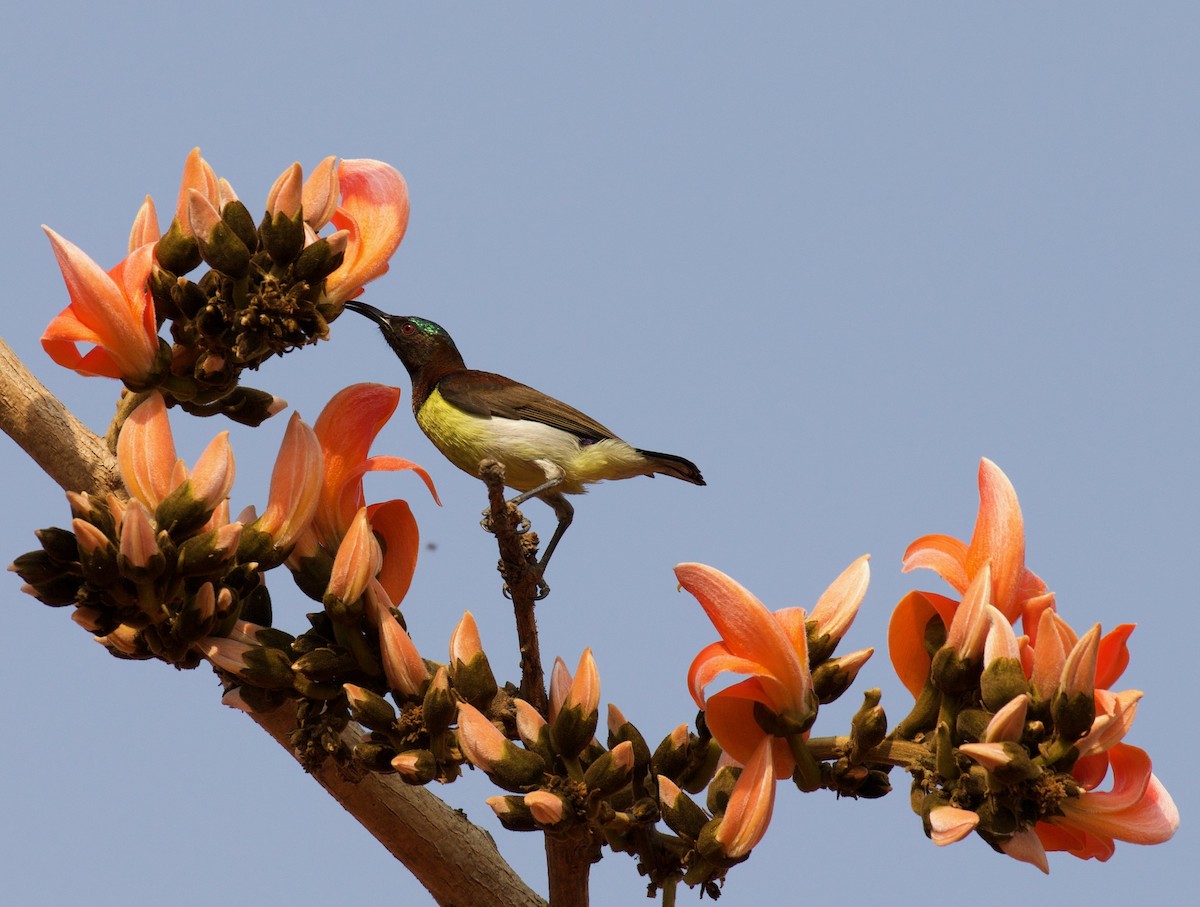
(241, 222)
(684, 817)
(282, 237)
(176, 251)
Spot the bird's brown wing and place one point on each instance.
(487, 394)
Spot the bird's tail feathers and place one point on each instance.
(671, 465)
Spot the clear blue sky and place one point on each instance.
(832, 256)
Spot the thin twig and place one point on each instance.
(518, 566)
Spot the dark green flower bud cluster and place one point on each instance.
(260, 297)
(147, 585)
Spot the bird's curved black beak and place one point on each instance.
(380, 318)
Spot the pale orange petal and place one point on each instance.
(750, 805)
(146, 452)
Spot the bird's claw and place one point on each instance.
(543, 589)
(486, 523)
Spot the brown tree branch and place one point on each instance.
(454, 859)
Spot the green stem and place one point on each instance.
(893, 751)
(125, 406)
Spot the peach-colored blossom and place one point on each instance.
(295, 486)
(357, 561)
(374, 211)
(1137, 809)
(150, 468)
(772, 648)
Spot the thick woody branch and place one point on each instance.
(455, 860)
(66, 449)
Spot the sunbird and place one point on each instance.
(548, 449)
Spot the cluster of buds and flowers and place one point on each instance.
(1019, 731)
(763, 723)
(156, 574)
(269, 288)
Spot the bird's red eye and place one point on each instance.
(408, 328)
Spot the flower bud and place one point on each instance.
(473, 677)
(416, 766)
(547, 809)
(260, 666)
(832, 678)
(513, 813)
(140, 558)
(611, 771)
(282, 236)
(868, 727)
(369, 709)
(209, 552)
(485, 747)
(439, 707)
(374, 756)
(573, 728)
(680, 811)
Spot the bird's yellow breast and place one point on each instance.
(465, 439)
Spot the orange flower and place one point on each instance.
(1137, 809)
(374, 211)
(345, 431)
(999, 539)
(112, 311)
(770, 647)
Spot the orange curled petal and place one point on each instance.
(945, 556)
(346, 429)
(731, 717)
(1113, 657)
(396, 526)
(906, 635)
(715, 659)
(999, 537)
(374, 210)
(1138, 809)
(108, 310)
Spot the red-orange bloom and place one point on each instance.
(770, 647)
(345, 430)
(111, 311)
(998, 539)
